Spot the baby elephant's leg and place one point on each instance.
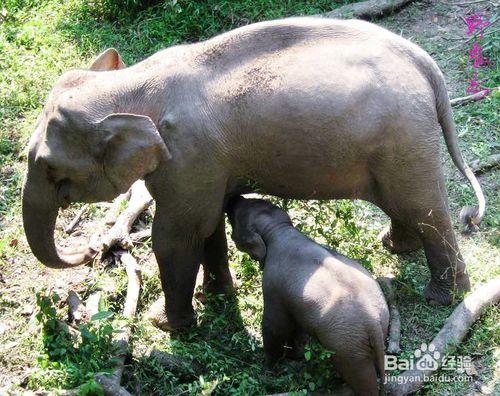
(359, 373)
(277, 327)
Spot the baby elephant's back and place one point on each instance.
(339, 293)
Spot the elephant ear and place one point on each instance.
(252, 243)
(131, 147)
(110, 59)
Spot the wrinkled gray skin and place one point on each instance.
(303, 108)
(309, 287)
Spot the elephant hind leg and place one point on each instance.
(421, 206)
(400, 238)
(358, 372)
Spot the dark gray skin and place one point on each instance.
(304, 108)
(310, 288)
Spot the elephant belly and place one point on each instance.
(316, 182)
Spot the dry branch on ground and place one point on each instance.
(367, 9)
(452, 333)
(394, 339)
(483, 166)
(116, 207)
(72, 225)
(470, 98)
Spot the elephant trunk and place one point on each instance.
(39, 219)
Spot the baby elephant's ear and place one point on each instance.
(254, 246)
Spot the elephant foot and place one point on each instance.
(400, 241)
(443, 294)
(158, 318)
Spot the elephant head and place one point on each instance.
(83, 150)
(252, 220)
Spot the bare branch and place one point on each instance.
(141, 235)
(471, 98)
(133, 286)
(71, 226)
(116, 208)
(176, 364)
(111, 387)
(140, 199)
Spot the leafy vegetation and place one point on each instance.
(41, 39)
(68, 360)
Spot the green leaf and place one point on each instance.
(308, 355)
(101, 315)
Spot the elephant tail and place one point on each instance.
(469, 215)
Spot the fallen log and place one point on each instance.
(394, 339)
(452, 333)
(370, 9)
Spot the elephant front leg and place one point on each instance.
(216, 276)
(178, 259)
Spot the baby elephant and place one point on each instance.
(311, 289)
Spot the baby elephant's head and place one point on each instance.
(252, 220)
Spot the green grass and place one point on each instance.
(41, 39)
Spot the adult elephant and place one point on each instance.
(302, 108)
